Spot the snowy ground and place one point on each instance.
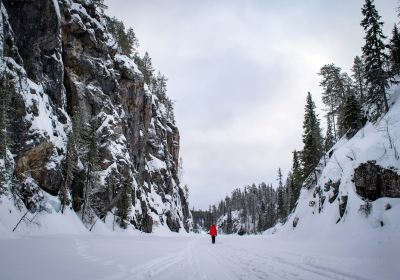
(146, 256)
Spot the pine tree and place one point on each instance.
(375, 58)
(358, 75)
(169, 105)
(132, 43)
(352, 116)
(146, 67)
(126, 39)
(100, 4)
(159, 87)
(336, 86)
(394, 55)
(312, 138)
(329, 138)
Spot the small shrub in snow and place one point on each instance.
(295, 221)
(365, 209)
(242, 231)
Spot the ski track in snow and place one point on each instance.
(197, 258)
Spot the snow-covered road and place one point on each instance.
(86, 257)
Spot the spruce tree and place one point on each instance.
(375, 58)
(296, 180)
(329, 138)
(352, 116)
(358, 75)
(281, 203)
(132, 43)
(229, 222)
(312, 139)
(261, 218)
(288, 194)
(394, 55)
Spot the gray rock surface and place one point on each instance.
(373, 181)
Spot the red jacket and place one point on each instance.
(213, 230)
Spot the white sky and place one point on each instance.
(239, 72)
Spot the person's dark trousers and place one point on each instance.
(213, 239)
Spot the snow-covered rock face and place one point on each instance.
(373, 182)
(358, 184)
(60, 58)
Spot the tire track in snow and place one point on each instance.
(248, 267)
(148, 270)
(82, 250)
(316, 270)
(212, 266)
(154, 267)
(203, 261)
(195, 264)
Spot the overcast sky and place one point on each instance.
(239, 72)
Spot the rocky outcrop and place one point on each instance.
(333, 190)
(342, 205)
(62, 64)
(373, 181)
(33, 163)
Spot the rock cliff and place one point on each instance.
(67, 82)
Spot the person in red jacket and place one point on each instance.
(213, 232)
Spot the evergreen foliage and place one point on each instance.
(5, 104)
(394, 55)
(358, 75)
(281, 203)
(100, 4)
(90, 160)
(375, 60)
(146, 67)
(159, 87)
(336, 86)
(69, 169)
(352, 120)
(124, 205)
(312, 138)
(296, 181)
(329, 138)
(251, 210)
(126, 38)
